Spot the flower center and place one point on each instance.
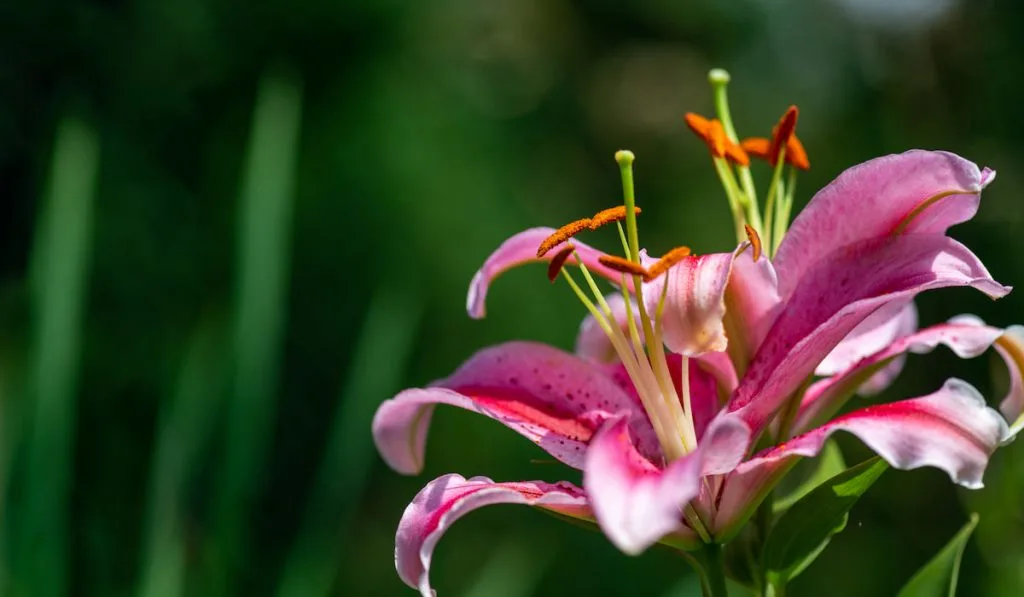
(639, 347)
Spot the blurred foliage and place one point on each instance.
(186, 378)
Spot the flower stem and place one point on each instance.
(715, 571)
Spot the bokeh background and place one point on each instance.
(228, 230)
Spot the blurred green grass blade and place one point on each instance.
(263, 253)
(514, 570)
(381, 354)
(184, 429)
(58, 268)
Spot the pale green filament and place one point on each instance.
(719, 79)
(785, 207)
(734, 195)
(774, 201)
(670, 442)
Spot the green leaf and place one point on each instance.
(938, 577)
(806, 528)
(828, 464)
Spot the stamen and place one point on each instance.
(796, 155)
(755, 241)
(601, 218)
(622, 265)
(561, 235)
(714, 133)
(667, 260)
(558, 261)
(760, 148)
(781, 134)
(717, 139)
(610, 216)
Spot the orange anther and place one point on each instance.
(698, 124)
(667, 260)
(561, 235)
(624, 266)
(796, 154)
(755, 240)
(736, 154)
(782, 133)
(718, 141)
(757, 147)
(558, 261)
(610, 215)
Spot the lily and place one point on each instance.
(691, 391)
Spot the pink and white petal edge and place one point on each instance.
(951, 429)
(551, 397)
(637, 503)
(446, 499)
(873, 199)
(836, 295)
(519, 249)
(967, 336)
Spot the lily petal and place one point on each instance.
(1011, 347)
(837, 294)
(519, 249)
(913, 192)
(636, 502)
(880, 329)
(448, 498)
(966, 337)
(549, 396)
(716, 301)
(694, 303)
(951, 429)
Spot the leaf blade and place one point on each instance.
(802, 532)
(938, 577)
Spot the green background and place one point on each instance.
(230, 229)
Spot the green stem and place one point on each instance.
(715, 571)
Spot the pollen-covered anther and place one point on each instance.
(755, 240)
(558, 261)
(761, 148)
(610, 216)
(713, 133)
(624, 266)
(781, 134)
(561, 235)
(667, 260)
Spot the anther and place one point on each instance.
(558, 261)
(755, 240)
(624, 266)
(610, 216)
(561, 235)
(667, 260)
(782, 133)
(713, 133)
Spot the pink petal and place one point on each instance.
(446, 499)
(951, 429)
(694, 303)
(551, 397)
(752, 301)
(710, 294)
(876, 198)
(519, 249)
(877, 331)
(967, 338)
(592, 343)
(837, 294)
(1011, 348)
(637, 503)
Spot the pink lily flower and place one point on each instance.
(664, 439)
